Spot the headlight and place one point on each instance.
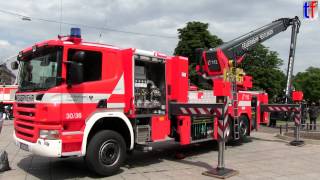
(49, 134)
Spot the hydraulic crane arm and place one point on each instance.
(295, 30)
(217, 59)
(242, 44)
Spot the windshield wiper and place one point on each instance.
(32, 87)
(26, 88)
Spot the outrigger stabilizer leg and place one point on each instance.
(297, 120)
(220, 171)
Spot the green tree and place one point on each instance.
(195, 35)
(309, 83)
(263, 65)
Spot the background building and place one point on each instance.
(6, 76)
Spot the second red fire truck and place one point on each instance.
(7, 95)
(77, 98)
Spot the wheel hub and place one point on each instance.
(109, 152)
(243, 128)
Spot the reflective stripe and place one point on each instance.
(104, 115)
(192, 111)
(92, 44)
(219, 112)
(99, 45)
(66, 98)
(184, 111)
(220, 132)
(119, 89)
(72, 133)
(73, 153)
(244, 103)
(115, 105)
(227, 131)
(62, 97)
(144, 52)
(5, 97)
(202, 111)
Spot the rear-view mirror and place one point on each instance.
(79, 56)
(75, 73)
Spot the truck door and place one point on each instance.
(127, 68)
(79, 100)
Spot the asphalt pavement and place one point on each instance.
(263, 156)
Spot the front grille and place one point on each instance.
(30, 114)
(25, 121)
(25, 126)
(26, 105)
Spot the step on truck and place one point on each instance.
(78, 98)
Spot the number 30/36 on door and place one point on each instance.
(76, 115)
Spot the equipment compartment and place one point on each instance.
(149, 85)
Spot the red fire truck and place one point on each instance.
(7, 95)
(77, 98)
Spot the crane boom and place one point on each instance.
(213, 62)
(295, 30)
(242, 44)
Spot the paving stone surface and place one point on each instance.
(262, 157)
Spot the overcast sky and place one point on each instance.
(228, 19)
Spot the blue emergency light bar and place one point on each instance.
(75, 32)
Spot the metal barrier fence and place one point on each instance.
(310, 127)
(307, 127)
(286, 128)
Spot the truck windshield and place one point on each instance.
(39, 70)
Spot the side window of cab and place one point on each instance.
(92, 64)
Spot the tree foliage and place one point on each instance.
(309, 83)
(263, 65)
(195, 35)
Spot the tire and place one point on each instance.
(229, 137)
(106, 152)
(244, 127)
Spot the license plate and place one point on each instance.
(24, 147)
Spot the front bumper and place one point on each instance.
(48, 148)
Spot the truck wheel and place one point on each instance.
(244, 126)
(106, 152)
(229, 129)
